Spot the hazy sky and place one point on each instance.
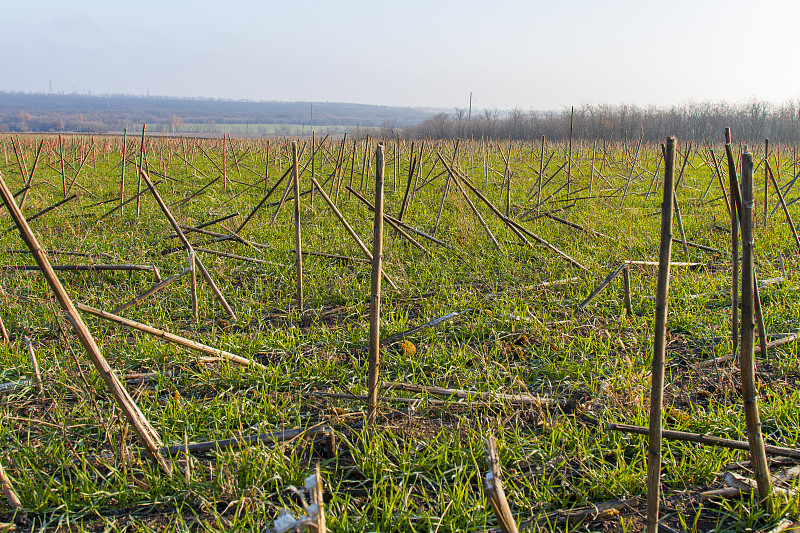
(527, 54)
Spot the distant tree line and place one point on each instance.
(749, 122)
(24, 112)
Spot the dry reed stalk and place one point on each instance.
(129, 200)
(768, 169)
(151, 291)
(446, 188)
(702, 438)
(144, 430)
(298, 246)
(350, 231)
(452, 176)
(524, 399)
(659, 344)
(394, 225)
(11, 496)
(239, 442)
(61, 157)
(3, 331)
(30, 174)
(122, 177)
(679, 218)
(375, 293)
(139, 173)
(603, 284)
(80, 168)
(411, 167)
(188, 246)
(169, 337)
(44, 211)
(193, 286)
(493, 486)
(626, 285)
(37, 376)
(539, 180)
(733, 188)
(748, 375)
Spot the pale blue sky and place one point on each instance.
(531, 55)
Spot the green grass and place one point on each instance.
(409, 473)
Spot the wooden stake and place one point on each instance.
(375, 295)
(144, 430)
(758, 456)
(659, 344)
(139, 174)
(297, 238)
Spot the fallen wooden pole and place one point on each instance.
(169, 337)
(44, 211)
(144, 430)
(86, 268)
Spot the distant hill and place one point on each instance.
(24, 112)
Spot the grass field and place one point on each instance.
(73, 459)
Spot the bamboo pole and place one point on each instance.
(297, 237)
(144, 430)
(375, 293)
(659, 344)
(748, 372)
